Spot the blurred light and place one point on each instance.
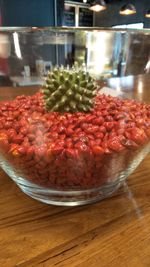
(98, 5)
(128, 9)
(130, 26)
(140, 87)
(16, 44)
(118, 88)
(126, 82)
(96, 55)
(147, 15)
(115, 83)
(84, 1)
(147, 67)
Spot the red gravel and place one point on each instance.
(72, 150)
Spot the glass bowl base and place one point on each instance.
(73, 197)
(68, 198)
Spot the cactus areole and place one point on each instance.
(69, 90)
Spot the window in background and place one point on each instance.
(77, 15)
(69, 16)
(85, 17)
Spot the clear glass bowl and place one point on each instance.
(62, 147)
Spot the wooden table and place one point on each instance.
(112, 233)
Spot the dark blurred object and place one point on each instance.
(5, 81)
(4, 69)
(69, 60)
(5, 50)
(4, 56)
(119, 68)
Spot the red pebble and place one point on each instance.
(70, 152)
(69, 130)
(109, 126)
(18, 139)
(30, 152)
(97, 150)
(40, 151)
(98, 121)
(138, 135)
(115, 144)
(102, 129)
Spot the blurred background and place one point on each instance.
(25, 58)
(74, 13)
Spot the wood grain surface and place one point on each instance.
(112, 233)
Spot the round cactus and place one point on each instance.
(69, 90)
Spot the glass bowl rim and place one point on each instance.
(72, 29)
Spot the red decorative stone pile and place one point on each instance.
(72, 150)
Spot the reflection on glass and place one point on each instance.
(131, 197)
(16, 44)
(105, 54)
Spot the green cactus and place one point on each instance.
(69, 90)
